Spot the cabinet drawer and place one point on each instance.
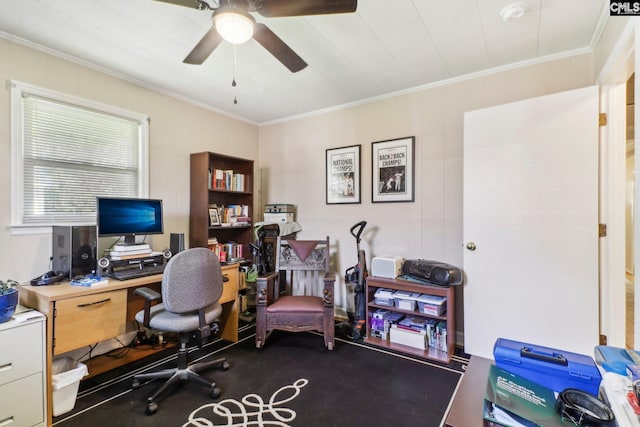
(22, 402)
(230, 290)
(89, 319)
(21, 353)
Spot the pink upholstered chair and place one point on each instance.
(298, 296)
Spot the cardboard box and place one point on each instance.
(408, 337)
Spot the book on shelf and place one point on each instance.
(514, 401)
(226, 179)
(89, 281)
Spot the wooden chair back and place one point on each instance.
(302, 265)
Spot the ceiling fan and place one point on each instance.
(233, 22)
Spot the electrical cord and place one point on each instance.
(88, 353)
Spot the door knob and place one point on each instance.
(471, 246)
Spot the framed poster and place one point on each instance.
(343, 175)
(392, 170)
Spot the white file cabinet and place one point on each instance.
(23, 370)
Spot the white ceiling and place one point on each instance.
(387, 46)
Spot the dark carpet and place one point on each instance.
(292, 381)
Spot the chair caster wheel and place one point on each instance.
(215, 393)
(152, 408)
(225, 366)
(136, 384)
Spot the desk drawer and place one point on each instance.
(230, 290)
(21, 352)
(89, 319)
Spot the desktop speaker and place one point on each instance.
(103, 266)
(176, 244)
(74, 249)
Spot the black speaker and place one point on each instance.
(74, 249)
(436, 272)
(176, 244)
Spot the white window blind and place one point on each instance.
(71, 153)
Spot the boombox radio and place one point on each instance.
(435, 272)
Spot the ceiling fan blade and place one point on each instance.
(204, 48)
(274, 44)
(280, 8)
(194, 4)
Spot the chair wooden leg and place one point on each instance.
(261, 334)
(329, 331)
(329, 339)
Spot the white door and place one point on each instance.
(531, 211)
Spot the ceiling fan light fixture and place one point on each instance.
(234, 26)
(513, 11)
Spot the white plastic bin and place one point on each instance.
(384, 297)
(431, 304)
(405, 300)
(65, 379)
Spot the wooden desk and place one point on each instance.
(79, 317)
(466, 410)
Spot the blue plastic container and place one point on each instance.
(8, 303)
(552, 368)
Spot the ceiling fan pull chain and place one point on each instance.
(233, 83)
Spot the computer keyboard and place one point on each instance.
(135, 272)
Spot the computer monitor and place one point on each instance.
(128, 217)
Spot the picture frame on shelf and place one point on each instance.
(343, 175)
(214, 218)
(393, 170)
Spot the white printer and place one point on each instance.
(279, 213)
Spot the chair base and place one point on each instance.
(181, 374)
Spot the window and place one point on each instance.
(66, 151)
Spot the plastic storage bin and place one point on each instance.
(405, 300)
(553, 368)
(65, 380)
(384, 297)
(431, 304)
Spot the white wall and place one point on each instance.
(177, 129)
(292, 156)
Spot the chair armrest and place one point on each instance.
(149, 296)
(329, 284)
(265, 288)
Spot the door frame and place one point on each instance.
(619, 66)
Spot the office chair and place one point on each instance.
(298, 295)
(191, 287)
